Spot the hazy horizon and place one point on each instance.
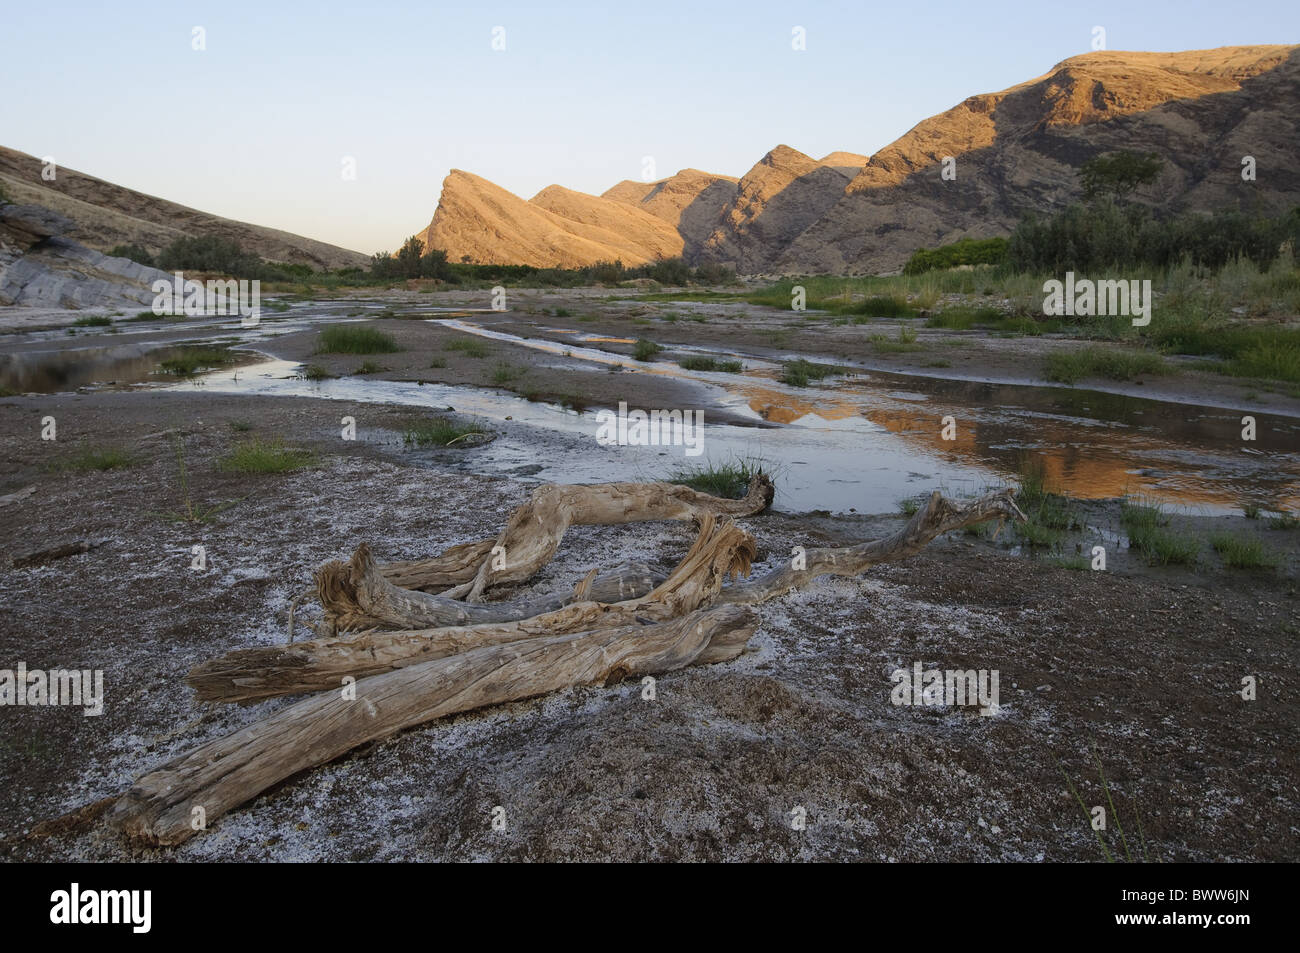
(256, 125)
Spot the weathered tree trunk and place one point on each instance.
(222, 774)
(357, 595)
(248, 675)
(535, 529)
(722, 549)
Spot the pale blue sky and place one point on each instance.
(255, 127)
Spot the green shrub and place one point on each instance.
(965, 251)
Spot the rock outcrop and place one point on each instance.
(39, 267)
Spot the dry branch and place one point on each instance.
(535, 529)
(222, 774)
(357, 595)
(939, 515)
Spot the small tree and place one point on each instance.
(1119, 173)
(408, 258)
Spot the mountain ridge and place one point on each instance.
(1015, 150)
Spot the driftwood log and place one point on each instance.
(722, 549)
(222, 774)
(425, 654)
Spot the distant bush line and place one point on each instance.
(1106, 234)
(412, 260)
(225, 256)
(213, 255)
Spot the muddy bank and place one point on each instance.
(1142, 670)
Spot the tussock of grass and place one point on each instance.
(1243, 552)
(314, 372)
(1050, 514)
(504, 373)
(963, 318)
(1145, 526)
(903, 343)
(266, 456)
(93, 321)
(702, 363)
(645, 350)
(438, 432)
(877, 306)
(729, 480)
(799, 372)
(97, 458)
(355, 339)
(1071, 366)
(190, 360)
(470, 347)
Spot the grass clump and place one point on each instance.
(702, 363)
(729, 480)
(266, 456)
(369, 367)
(93, 321)
(1072, 366)
(904, 343)
(1049, 514)
(314, 372)
(1147, 534)
(97, 458)
(1243, 552)
(438, 432)
(190, 360)
(881, 306)
(504, 373)
(470, 347)
(799, 372)
(645, 350)
(355, 339)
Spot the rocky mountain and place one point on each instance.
(1014, 151)
(105, 215)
